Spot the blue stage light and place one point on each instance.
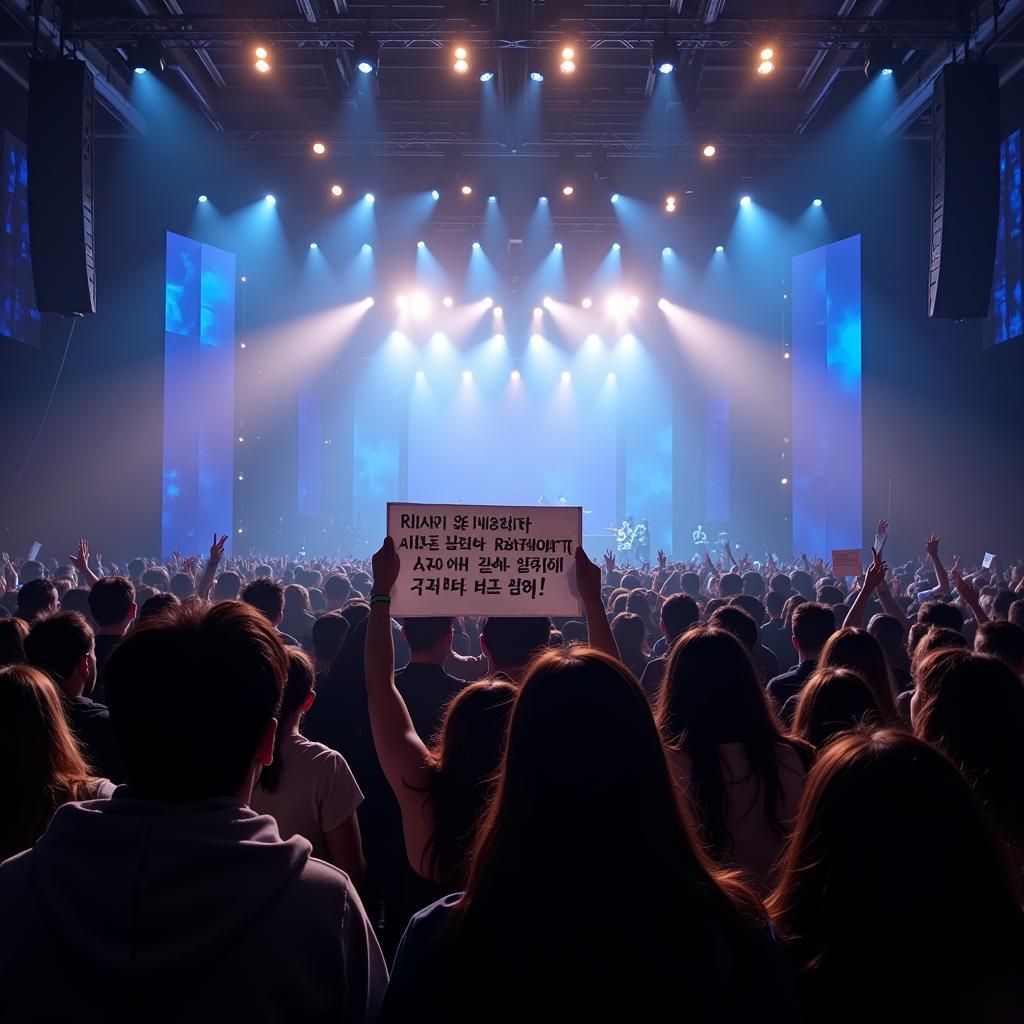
(365, 67)
(369, 198)
(666, 68)
(615, 197)
(434, 194)
(486, 76)
(313, 245)
(366, 247)
(543, 199)
(558, 246)
(719, 248)
(536, 76)
(204, 198)
(886, 72)
(492, 199)
(815, 202)
(667, 251)
(616, 247)
(746, 201)
(421, 244)
(270, 199)
(476, 245)
(140, 71)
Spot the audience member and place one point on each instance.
(812, 625)
(833, 701)
(424, 685)
(1003, 640)
(228, 587)
(678, 614)
(157, 605)
(329, 632)
(509, 644)
(266, 595)
(37, 598)
(630, 634)
(892, 638)
(112, 603)
(298, 617)
(337, 590)
(13, 631)
(859, 651)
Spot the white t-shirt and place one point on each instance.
(316, 792)
(755, 846)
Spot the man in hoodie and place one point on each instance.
(173, 900)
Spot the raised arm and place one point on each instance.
(932, 548)
(81, 562)
(402, 754)
(205, 584)
(873, 578)
(729, 554)
(970, 598)
(891, 606)
(588, 581)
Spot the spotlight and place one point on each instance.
(719, 248)
(882, 59)
(243, 279)
(766, 67)
(665, 54)
(488, 302)
(566, 376)
(434, 194)
(319, 148)
(492, 199)
(710, 150)
(260, 53)
(366, 247)
(537, 311)
(662, 304)
(498, 311)
(515, 375)
(567, 190)
(667, 251)
(615, 197)
(204, 198)
(536, 76)
(366, 53)
(369, 198)
(558, 246)
(420, 304)
(670, 204)
(815, 202)
(268, 198)
(337, 191)
(369, 300)
(447, 302)
(547, 302)
(262, 66)
(466, 190)
(313, 245)
(486, 76)
(568, 65)
(785, 355)
(784, 481)
(767, 53)
(460, 64)
(616, 247)
(568, 53)
(140, 71)
(886, 72)
(476, 245)
(587, 302)
(467, 376)
(262, 59)
(542, 199)
(421, 244)
(460, 67)
(745, 201)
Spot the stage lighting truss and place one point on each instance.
(881, 59)
(366, 54)
(665, 54)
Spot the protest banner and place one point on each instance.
(483, 560)
(846, 562)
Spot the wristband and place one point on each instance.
(380, 599)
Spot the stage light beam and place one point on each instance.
(319, 149)
(204, 198)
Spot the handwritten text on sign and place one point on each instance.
(485, 559)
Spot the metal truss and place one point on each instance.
(408, 32)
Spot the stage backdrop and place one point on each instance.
(199, 395)
(826, 356)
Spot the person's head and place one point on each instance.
(689, 584)
(753, 584)
(32, 570)
(630, 634)
(800, 580)
(227, 667)
(38, 753)
(76, 599)
(62, 645)
(925, 639)
(337, 590)
(830, 595)
(136, 567)
(939, 613)
(227, 587)
(872, 800)
(735, 620)
(329, 632)
(639, 603)
(858, 650)
(678, 614)
(62, 584)
(466, 758)
(296, 600)
(729, 585)
(429, 638)
(112, 603)
(510, 643)
(753, 606)
(156, 576)
(142, 594)
(813, 624)
(267, 596)
(710, 607)
(774, 603)
(356, 610)
(316, 601)
(574, 632)
(13, 631)
(295, 702)
(780, 583)
(182, 585)
(1016, 614)
(1001, 604)
(1003, 640)
(156, 604)
(891, 637)
(831, 702)
(35, 598)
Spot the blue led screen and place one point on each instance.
(1007, 298)
(19, 318)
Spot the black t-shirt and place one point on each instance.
(427, 691)
(104, 648)
(90, 722)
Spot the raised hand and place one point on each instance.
(875, 575)
(931, 546)
(217, 548)
(955, 567)
(965, 589)
(662, 559)
(588, 578)
(609, 561)
(190, 564)
(882, 528)
(80, 560)
(386, 565)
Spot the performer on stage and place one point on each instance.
(624, 537)
(642, 543)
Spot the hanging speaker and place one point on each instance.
(60, 186)
(965, 190)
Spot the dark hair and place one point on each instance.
(730, 584)
(337, 587)
(267, 596)
(35, 597)
(830, 594)
(465, 761)
(227, 587)
(1001, 604)
(630, 634)
(780, 584)
(711, 695)
(13, 631)
(57, 643)
(513, 641)
(156, 576)
(182, 585)
(753, 584)
(76, 599)
(296, 599)
(678, 614)
(298, 686)
(424, 634)
(873, 800)
(858, 650)
(689, 584)
(110, 600)
(1016, 612)
(32, 570)
(935, 638)
(316, 600)
(753, 606)
(800, 580)
(831, 702)
(136, 567)
(1003, 640)
(226, 666)
(38, 754)
(736, 621)
(574, 632)
(939, 613)
(356, 610)
(156, 605)
(774, 602)
(813, 624)
(890, 634)
(546, 831)
(329, 632)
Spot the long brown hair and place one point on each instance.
(833, 700)
(858, 650)
(40, 758)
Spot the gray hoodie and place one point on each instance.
(141, 910)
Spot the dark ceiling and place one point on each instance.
(416, 105)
